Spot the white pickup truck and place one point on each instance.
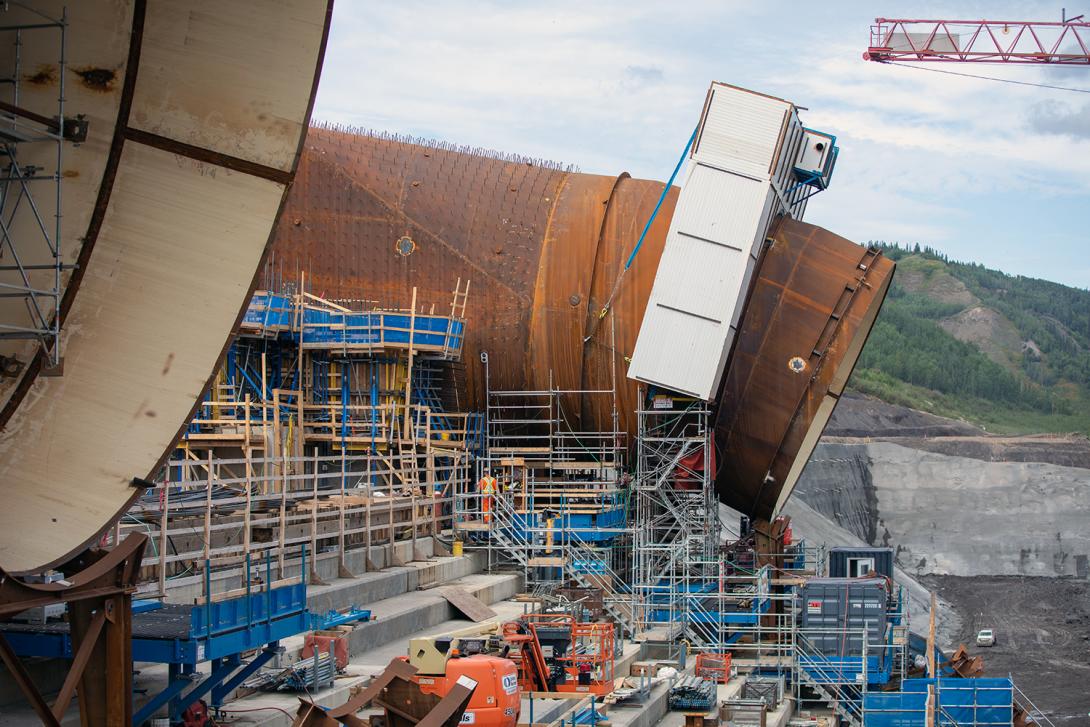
(985, 637)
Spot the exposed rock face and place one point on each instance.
(990, 331)
(951, 500)
(837, 483)
(928, 277)
(1068, 451)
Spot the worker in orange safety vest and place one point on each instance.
(487, 487)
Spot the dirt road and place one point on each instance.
(1043, 631)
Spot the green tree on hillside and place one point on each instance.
(910, 357)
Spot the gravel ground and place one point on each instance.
(1042, 628)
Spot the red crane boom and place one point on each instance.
(980, 41)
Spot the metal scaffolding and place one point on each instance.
(550, 500)
(31, 255)
(328, 424)
(677, 532)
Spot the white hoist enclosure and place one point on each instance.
(742, 175)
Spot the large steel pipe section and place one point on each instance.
(808, 315)
(543, 248)
(197, 110)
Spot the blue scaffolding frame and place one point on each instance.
(219, 632)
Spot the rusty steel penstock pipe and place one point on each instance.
(543, 247)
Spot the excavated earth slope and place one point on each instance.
(998, 526)
(951, 499)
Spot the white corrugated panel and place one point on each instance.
(716, 225)
(720, 207)
(741, 131)
(736, 185)
(678, 351)
(706, 266)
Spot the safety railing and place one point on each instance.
(223, 510)
(836, 680)
(317, 323)
(1023, 702)
(357, 425)
(617, 596)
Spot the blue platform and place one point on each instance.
(847, 669)
(597, 527)
(700, 602)
(275, 314)
(183, 636)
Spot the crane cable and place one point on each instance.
(989, 78)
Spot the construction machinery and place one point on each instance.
(1020, 42)
(453, 678)
(539, 653)
(556, 653)
(442, 662)
(402, 699)
(536, 654)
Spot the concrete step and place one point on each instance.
(407, 614)
(358, 561)
(370, 588)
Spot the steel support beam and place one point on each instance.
(98, 589)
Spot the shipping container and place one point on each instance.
(834, 612)
(846, 562)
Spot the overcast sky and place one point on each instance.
(988, 172)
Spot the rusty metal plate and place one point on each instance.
(541, 246)
(809, 312)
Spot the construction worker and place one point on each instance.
(487, 487)
(550, 519)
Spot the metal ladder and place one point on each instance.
(616, 604)
(501, 531)
(841, 697)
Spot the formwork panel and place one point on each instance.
(254, 50)
(160, 277)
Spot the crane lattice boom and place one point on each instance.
(980, 41)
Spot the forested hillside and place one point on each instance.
(1009, 353)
